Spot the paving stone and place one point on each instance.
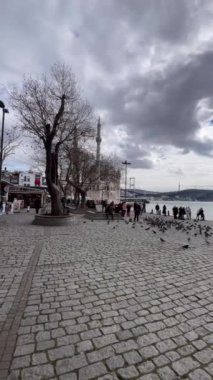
(24, 350)
(172, 355)
(204, 356)
(156, 326)
(71, 364)
(209, 369)
(68, 376)
(199, 374)
(84, 346)
(21, 362)
(169, 332)
(148, 352)
(125, 346)
(39, 358)
(92, 371)
(138, 295)
(147, 340)
(101, 354)
(67, 339)
(165, 345)
(14, 375)
(128, 372)
(61, 352)
(104, 340)
(132, 357)
(160, 360)
(45, 345)
(199, 344)
(25, 339)
(44, 371)
(90, 334)
(166, 373)
(146, 367)
(115, 361)
(186, 350)
(109, 376)
(151, 376)
(42, 335)
(184, 365)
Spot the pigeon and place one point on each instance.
(161, 239)
(154, 232)
(185, 246)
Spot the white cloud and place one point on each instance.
(145, 66)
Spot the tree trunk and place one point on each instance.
(56, 205)
(83, 198)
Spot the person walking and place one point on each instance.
(37, 205)
(157, 209)
(128, 208)
(123, 211)
(164, 210)
(137, 211)
(110, 211)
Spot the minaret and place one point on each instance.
(98, 151)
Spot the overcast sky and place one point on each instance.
(145, 66)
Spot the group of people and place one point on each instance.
(158, 210)
(124, 209)
(182, 212)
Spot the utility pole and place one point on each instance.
(126, 164)
(4, 111)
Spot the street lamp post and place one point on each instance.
(126, 163)
(4, 111)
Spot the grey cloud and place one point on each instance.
(162, 107)
(134, 59)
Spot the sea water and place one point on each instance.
(206, 206)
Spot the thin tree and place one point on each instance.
(80, 170)
(11, 142)
(50, 108)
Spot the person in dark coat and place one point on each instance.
(175, 212)
(128, 208)
(37, 205)
(110, 211)
(137, 211)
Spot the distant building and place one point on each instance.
(100, 190)
(32, 179)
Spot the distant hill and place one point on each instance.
(187, 195)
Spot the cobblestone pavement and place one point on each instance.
(104, 301)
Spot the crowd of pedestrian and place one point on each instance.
(180, 212)
(124, 209)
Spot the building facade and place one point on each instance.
(32, 179)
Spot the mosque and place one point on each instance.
(103, 189)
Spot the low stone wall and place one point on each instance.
(51, 220)
(100, 215)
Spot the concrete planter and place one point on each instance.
(51, 220)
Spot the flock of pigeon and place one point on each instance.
(188, 227)
(159, 225)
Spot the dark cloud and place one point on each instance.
(145, 65)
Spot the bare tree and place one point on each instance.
(80, 170)
(11, 142)
(50, 108)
